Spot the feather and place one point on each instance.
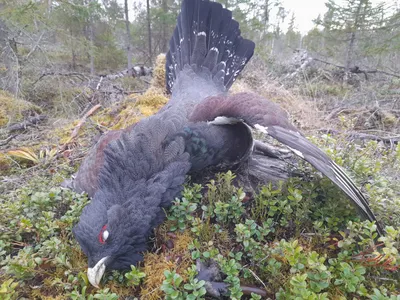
(205, 36)
(270, 119)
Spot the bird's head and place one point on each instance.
(112, 237)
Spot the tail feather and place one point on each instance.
(208, 38)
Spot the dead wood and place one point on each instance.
(31, 121)
(137, 71)
(364, 136)
(344, 110)
(82, 121)
(302, 59)
(7, 140)
(248, 290)
(81, 76)
(357, 70)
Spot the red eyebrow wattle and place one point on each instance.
(100, 237)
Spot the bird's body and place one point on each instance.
(133, 174)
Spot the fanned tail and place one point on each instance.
(208, 39)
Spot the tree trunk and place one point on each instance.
(353, 37)
(91, 50)
(128, 39)
(164, 44)
(49, 4)
(349, 56)
(73, 54)
(149, 30)
(9, 56)
(266, 16)
(91, 37)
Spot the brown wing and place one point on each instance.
(269, 118)
(86, 179)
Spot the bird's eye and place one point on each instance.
(104, 234)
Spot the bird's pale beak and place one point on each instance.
(96, 273)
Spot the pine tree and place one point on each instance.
(346, 26)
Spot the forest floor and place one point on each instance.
(299, 240)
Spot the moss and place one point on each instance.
(158, 80)
(178, 259)
(389, 119)
(5, 163)
(13, 109)
(146, 105)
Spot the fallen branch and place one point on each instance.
(31, 121)
(364, 136)
(137, 71)
(357, 69)
(7, 140)
(248, 290)
(343, 110)
(82, 121)
(76, 74)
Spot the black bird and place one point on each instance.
(133, 174)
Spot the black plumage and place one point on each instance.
(131, 175)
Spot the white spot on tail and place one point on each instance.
(261, 128)
(224, 121)
(201, 33)
(297, 152)
(214, 49)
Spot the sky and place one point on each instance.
(305, 11)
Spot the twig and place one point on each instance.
(7, 140)
(80, 75)
(99, 84)
(258, 278)
(248, 290)
(34, 47)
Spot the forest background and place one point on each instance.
(71, 70)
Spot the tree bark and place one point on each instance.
(91, 37)
(128, 39)
(49, 4)
(266, 13)
(149, 30)
(350, 48)
(164, 44)
(9, 56)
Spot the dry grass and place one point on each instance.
(302, 112)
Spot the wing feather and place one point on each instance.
(270, 119)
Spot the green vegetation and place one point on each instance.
(299, 240)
